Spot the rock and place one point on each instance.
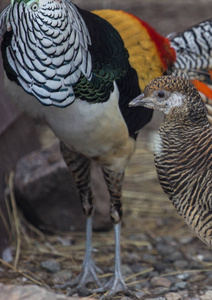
(186, 239)
(207, 296)
(176, 255)
(159, 290)
(161, 281)
(181, 264)
(183, 276)
(164, 249)
(156, 298)
(197, 278)
(46, 193)
(62, 276)
(173, 296)
(159, 266)
(30, 292)
(150, 258)
(140, 294)
(7, 255)
(131, 258)
(51, 265)
(181, 285)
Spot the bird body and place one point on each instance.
(183, 150)
(80, 121)
(83, 122)
(185, 172)
(75, 72)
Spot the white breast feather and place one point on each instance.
(158, 145)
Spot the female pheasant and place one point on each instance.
(183, 150)
(73, 69)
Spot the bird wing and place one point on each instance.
(191, 182)
(150, 53)
(109, 60)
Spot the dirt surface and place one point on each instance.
(161, 257)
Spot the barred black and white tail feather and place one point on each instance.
(193, 52)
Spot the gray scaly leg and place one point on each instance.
(79, 166)
(114, 182)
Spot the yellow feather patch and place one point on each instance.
(143, 53)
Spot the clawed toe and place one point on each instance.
(114, 286)
(79, 285)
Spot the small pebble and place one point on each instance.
(64, 241)
(186, 239)
(126, 270)
(164, 249)
(149, 258)
(181, 285)
(159, 290)
(137, 268)
(176, 255)
(181, 264)
(173, 296)
(153, 274)
(139, 294)
(197, 278)
(158, 266)
(183, 276)
(157, 298)
(131, 258)
(173, 288)
(161, 281)
(207, 296)
(51, 265)
(62, 276)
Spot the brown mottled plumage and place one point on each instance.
(183, 150)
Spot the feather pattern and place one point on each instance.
(3, 20)
(186, 174)
(193, 52)
(53, 41)
(183, 150)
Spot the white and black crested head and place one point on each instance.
(176, 97)
(46, 48)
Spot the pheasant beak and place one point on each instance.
(137, 101)
(141, 101)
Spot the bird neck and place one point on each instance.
(178, 133)
(186, 117)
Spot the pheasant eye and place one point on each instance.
(34, 6)
(161, 94)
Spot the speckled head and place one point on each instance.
(174, 96)
(34, 4)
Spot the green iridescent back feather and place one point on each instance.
(109, 60)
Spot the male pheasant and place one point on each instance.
(183, 150)
(71, 68)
